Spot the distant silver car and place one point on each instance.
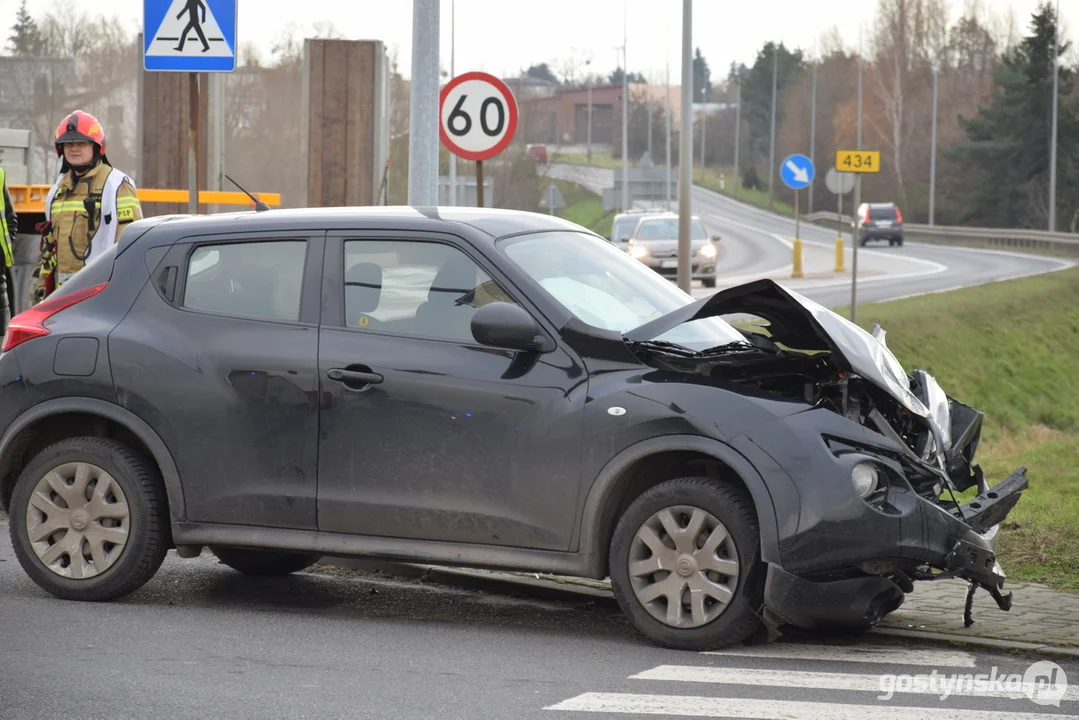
(625, 223)
(655, 243)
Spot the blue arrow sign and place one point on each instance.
(797, 171)
(189, 35)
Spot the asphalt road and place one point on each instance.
(756, 243)
(201, 641)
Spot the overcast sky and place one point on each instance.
(506, 36)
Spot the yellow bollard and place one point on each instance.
(839, 255)
(797, 270)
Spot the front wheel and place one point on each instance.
(89, 520)
(685, 564)
(264, 563)
(709, 282)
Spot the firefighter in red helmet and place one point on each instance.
(87, 208)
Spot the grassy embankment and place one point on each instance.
(584, 208)
(1011, 350)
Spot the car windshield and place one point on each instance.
(667, 229)
(623, 227)
(607, 289)
(886, 212)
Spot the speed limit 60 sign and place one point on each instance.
(477, 116)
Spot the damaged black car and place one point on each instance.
(481, 388)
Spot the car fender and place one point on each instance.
(119, 415)
(600, 496)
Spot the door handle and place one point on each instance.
(356, 379)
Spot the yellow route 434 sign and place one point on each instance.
(857, 161)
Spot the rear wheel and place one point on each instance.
(264, 563)
(685, 564)
(89, 520)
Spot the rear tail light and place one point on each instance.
(30, 324)
(898, 215)
(865, 220)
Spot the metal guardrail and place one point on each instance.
(1015, 238)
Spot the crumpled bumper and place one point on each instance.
(957, 544)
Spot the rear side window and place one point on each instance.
(260, 280)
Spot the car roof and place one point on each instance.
(491, 223)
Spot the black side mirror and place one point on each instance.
(509, 326)
(716, 238)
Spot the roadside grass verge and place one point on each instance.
(1011, 350)
(584, 208)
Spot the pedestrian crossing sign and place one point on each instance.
(189, 35)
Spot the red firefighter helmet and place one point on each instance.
(80, 126)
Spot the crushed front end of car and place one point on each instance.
(878, 458)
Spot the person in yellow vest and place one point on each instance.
(87, 208)
(9, 224)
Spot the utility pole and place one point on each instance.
(1053, 139)
(685, 151)
(704, 124)
(857, 196)
(453, 48)
(813, 128)
(625, 114)
(423, 112)
(668, 164)
(772, 150)
(650, 118)
(933, 132)
(737, 133)
(588, 63)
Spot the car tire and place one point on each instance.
(899, 242)
(709, 282)
(716, 506)
(264, 563)
(124, 527)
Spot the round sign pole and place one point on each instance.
(477, 120)
(796, 269)
(479, 183)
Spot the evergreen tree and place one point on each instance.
(757, 95)
(1004, 159)
(25, 39)
(702, 78)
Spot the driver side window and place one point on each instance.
(425, 289)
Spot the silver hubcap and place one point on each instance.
(683, 566)
(78, 520)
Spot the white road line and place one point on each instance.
(691, 706)
(837, 653)
(957, 684)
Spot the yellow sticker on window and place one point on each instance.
(364, 321)
(127, 213)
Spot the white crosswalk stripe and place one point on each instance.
(904, 677)
(689, 706)
(860, 654)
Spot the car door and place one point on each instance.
(219, 354)
(425, 433)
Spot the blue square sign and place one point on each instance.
(189, 35)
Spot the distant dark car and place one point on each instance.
(880, 221)
(481, 388)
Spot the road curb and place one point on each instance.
(572, 590)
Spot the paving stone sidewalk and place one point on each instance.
(1039, 614)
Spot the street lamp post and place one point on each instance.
(1053, 139)
(685, 150)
